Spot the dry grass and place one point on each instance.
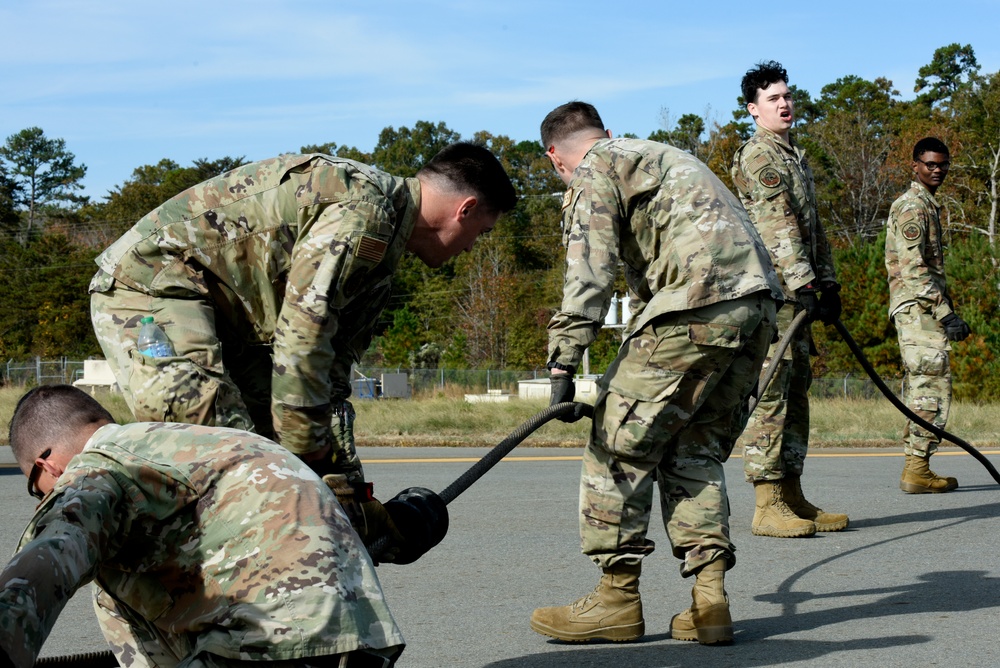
(450, 421)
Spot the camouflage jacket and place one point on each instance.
(208, 540)
(683, 237)
(296, 252)
(914, 254)
(775, 183)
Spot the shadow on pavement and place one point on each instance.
(651, 654)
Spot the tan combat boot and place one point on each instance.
(773, 517)
(613, 611)
(919, 479)
(707, 620)
(791, 492)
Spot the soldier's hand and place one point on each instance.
(830, 307)
(807, 299)
(562, 388)
(955, 328)
(366, 513)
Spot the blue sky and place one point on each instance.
(129, 83)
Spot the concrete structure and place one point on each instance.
(538, 388)
(491, 397)
(96, 373)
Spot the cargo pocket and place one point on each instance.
(172, 389)
(926, 407)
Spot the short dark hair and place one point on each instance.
(760, 77)
(48, 414)
(929, 145)
(568, 119)
(470, 167)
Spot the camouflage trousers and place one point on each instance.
(214, 379)
(927, 387)
(138, 643)
(777, 435)
(670, 408)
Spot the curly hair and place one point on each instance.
(760, 77)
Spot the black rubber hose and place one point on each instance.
(779, 351)
(103, 659)
(499, 451)
(904, 409)
(479, 469)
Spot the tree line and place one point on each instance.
(489, 308)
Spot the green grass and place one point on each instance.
(453, 422)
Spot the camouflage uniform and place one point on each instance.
(208, 546)
(674, 400)
(775, 183)
(268, 281)
(918, 300)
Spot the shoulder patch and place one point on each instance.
(758, 162)
(911, 231)
(567, 198)
(371, 248)
(769, 177)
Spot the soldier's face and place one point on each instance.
(931, 169)
(456, 235)
(774, 109)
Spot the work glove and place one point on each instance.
(562, 388)
(829, 304)
(366, 513)
(955, 328)
(806, 296)
(421, 517)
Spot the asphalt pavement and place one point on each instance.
(912, 581)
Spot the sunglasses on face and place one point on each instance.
(932, 166)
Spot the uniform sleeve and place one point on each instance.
(351, 343)
(764, 185)
(60, 552)
(591, 216)
(306, 357)
(910, 225)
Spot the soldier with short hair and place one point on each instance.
(922, 310)
(268, 280)
(207, 546)
(674, 400)
(775, 183)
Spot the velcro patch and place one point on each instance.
(769, 177)
(567, 199)
(911, 231)
(371, 248)
(757, 162)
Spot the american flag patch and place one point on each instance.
(371, 249)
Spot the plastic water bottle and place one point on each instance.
(153, 341)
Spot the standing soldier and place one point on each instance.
(269, 281)
(674, 400)
(776, 185)
(922, 311)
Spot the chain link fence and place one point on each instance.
(367, 380)
(40, 371)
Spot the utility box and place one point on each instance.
(395, 386)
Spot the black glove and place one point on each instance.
(367, 514)
(421, 516)
(829, 304)
(955, 328)
(808, 301)
(562, 388)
